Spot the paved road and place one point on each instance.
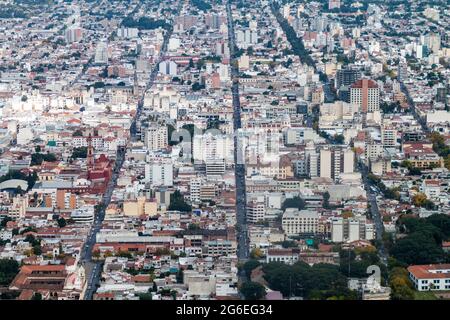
(413, 107)
(371, 196)
(376, 216)
(94, 268)
(239, 168)
(152, 77)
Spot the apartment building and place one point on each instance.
(388, 136)
(156, 137)
(351, 229)
(365, 94)
(334, 161)
(295, 222)
(255, 211)
(159, 174)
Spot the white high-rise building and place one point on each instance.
(159, 174)
(168, 67)
(325, 163)
(224, 72)
(127, 33)
(432, 41)
(73, 34)
(194, 189)
(255, 211)
(334, 161)
(312, 159)
(215, 167)
(210, 147)
(101, 53)
(351, 229)
(244, 62)
(374, 151)
(156, 137)
(174, 44)
(349, 161)
(388, 136)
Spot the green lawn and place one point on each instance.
(425, 295)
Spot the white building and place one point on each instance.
(101, 53)
(194, 189)
(127, 33)
(334, 161)
(168, 67)
(156, 137)
(84, 214)
(295, 222)
(288, 256)
(255, 211)
(388, 136)
(430, 277)
(159, 174)
(351, 229)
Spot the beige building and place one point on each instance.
(334, 161)
(139, 207)
(295, 222)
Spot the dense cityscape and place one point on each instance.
(224, 150)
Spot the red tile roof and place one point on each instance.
(364, 82)
(423, 271)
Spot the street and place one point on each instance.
(93, 267)
(239, 168)
(376, 216)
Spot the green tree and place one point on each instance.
(256, 253)
(80, 152)
(197, 86)
(180, 276)
(418, 248)
(38, 158)
(401, 286)
(289, 244)
(253, 290)
(295, 202)
(62, 222)
(326, 200)
(77, 133)
(37, 296)
(249, 266)
(8, 270)
(145, 296)
(178, 203)
(37, 250)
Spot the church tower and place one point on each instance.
(90, 153)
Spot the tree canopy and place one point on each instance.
(37, 158)
(423, 241)
(144, 23)
(178, 203)
(8, 270)
(295, 202)
(253, 290)
(321, 281)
